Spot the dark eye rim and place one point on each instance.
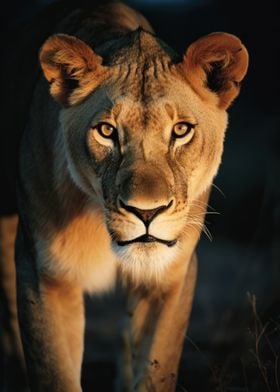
(189, 125)
(98, 127)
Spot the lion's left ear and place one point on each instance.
(216, 63)
(71, 67)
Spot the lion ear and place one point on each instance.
(216, 63)
(71, 67)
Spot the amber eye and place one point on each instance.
(181, 129)
(106, 130)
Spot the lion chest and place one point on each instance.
(81, 253)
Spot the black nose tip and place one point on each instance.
(146, 216)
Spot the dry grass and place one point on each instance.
(244, 359)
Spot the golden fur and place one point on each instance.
(85, 197)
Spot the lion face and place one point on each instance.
(147, 159)
(146, 141)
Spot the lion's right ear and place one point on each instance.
(71, 67)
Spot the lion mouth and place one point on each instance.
(146, 238)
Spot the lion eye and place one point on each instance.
(106, 130)
(182, 129)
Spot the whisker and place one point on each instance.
(200, 227)
(207, 233)
(206, 213)
(219, 189)
(199, 203)
(193, 226)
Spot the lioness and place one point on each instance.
(116, 163)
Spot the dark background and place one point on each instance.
(233, 343)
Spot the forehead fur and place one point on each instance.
(137, 46)
(141, 64)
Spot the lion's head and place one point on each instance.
(144, 131)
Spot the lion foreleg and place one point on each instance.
(51, 324)
(158, 329)
(14, 370)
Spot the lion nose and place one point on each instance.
(146, 216)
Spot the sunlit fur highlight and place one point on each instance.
(80, 199)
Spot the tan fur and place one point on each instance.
(217, 49)
(10, 336)
(76, 243)
(84, 198)
(76, 61)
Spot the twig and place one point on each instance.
(277, 373)
(244, 375)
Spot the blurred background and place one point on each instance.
(233, 343)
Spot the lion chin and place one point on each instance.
(144, 262)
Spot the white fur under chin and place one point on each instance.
(144, 263)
